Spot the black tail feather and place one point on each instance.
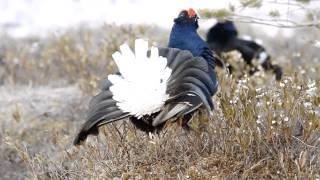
(92, 125)
(102, 110)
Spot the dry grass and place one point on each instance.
(260, 129)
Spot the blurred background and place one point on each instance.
(21, 18)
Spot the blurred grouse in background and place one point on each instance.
(223, 37)
(158, 84)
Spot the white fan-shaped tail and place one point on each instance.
(141, 87)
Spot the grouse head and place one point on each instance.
(188, 18)
(222, 32)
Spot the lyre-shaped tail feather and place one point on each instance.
(156, 84)
(102, 110)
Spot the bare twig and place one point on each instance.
(308, 145)
(282, 23)
(235, 15)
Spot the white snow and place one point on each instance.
(317, 43)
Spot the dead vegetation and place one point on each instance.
(261, 129)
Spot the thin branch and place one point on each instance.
(261, 19)
(268, 22)
(286, 4)
(305, 143)
(276, 22)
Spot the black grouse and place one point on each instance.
(223, 37)
(157, 84)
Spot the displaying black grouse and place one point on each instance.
(223, 37)
(157, 84)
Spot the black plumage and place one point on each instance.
(223, 37)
